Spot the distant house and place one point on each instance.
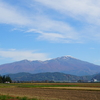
(94, 80)
(7, 82)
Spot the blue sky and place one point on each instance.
(46, 29)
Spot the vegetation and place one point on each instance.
(47, 85)
(5, 79)
(7, 97)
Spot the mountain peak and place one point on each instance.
(66, 57)
(24, 61)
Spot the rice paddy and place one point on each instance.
(51, 91)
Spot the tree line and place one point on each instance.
(5, 79)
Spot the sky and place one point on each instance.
(46, 29)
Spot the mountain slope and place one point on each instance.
(65, 64)
(55, 76)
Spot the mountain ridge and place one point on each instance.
(64, 64)
(49, 76)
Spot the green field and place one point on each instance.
(50, 91)
(40, 85)
(7, 97)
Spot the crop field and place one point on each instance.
(50, 91)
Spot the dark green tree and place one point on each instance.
(4, 79)
(8, 79)
(1, 79)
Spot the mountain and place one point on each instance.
(55, 76)
(65, 64)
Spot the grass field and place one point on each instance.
(7, 97)
(52, 91)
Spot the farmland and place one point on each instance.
(53, 91)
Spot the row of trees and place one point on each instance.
(4, 79)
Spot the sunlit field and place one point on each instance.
(51, 91)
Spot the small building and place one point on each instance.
(94, 80)
(7, 82)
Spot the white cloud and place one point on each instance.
(47, 36)
(12, 15)
(79, 9)
(22, 54)
(51, 29)
(56, 37)
(86, 12)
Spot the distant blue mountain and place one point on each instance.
(65, 64)
(49, 76)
